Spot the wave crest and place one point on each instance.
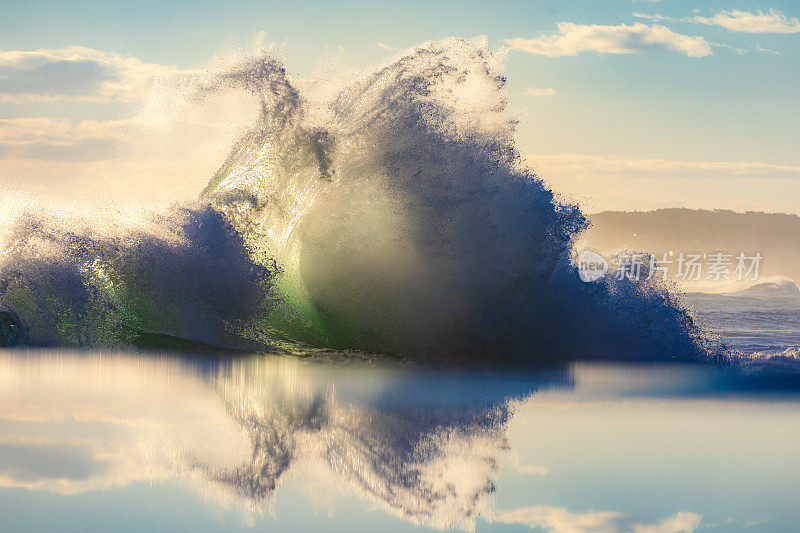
(406, 223)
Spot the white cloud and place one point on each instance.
(46, 138)
(742, 51)
(57, 130)
(179, 123)
(560, 520)
(621, 39)
(534, 91)
(601, 183)
(758, 22)
(532, 470)
(75, 73)
(761, 49)
(656, 16)
(736, 50)
(612, 165)
(773, 21)
(384, 46)
(55, 159)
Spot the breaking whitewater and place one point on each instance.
(392, 216)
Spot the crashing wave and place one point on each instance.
(394, 217)
(777, 360)
(181, 276)
(405, 223)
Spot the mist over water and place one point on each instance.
(391, 215)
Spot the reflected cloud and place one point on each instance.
(33, 462)
(67, 466)
(561, 520)
(532, 470)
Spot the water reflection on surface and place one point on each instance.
(281, 443)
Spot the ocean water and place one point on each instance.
(370, 320)
(761, 329)
(104, 440)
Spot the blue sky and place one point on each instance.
(629, 103)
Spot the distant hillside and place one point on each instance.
(785, 289)
(775, 236)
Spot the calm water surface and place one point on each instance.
(118, 441)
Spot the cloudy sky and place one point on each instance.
(628, 104)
